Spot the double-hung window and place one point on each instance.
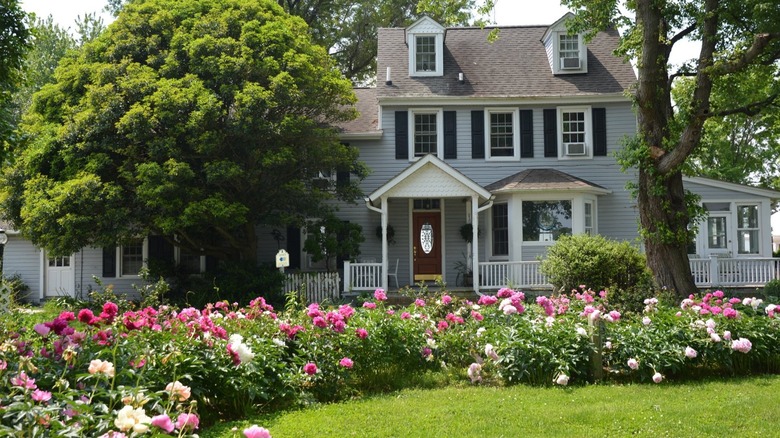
(575, 136)
(569, 51)
(503, 133)
(588, 217)
(747, 229)
(427, 132)
(425, 53)
(132, 257)
(500, 229)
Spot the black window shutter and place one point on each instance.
(526, 133)
(477, 134)
(401, 135)
(342, 178)
(550, 133)
(109, 261)
(599, 131)
(294, 247)
(450, 135)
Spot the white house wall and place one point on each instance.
(21, 257)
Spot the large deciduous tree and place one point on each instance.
(739, 38)
(14, 42)
(190, 118)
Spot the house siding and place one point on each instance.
(21, 257)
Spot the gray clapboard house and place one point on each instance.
(482, 155)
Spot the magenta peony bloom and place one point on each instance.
(730, 313)
(42, 329)
(446, 299)
(406, 315)
(361, 333)
(346, 362)
(23, 381)
(310, 368)
(380, 295)
(419, 302)
(40, 396)
(319, 321)
(86, 316)
(369, 305)
(163, 422)
(189, 421)
(256, 432)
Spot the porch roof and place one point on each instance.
(430, 177)
(545, 180)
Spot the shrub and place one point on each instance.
(19, 289)
(596, 262)
(772, 288)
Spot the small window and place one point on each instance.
(503, 133)
(427, 204)
(569, 52)
(427, 133)
(747, 229)
(716, 232)
(546, 221)
(588, 213)
(132, 259)
(500, 227)
(189, 261)
(425, 53)
(575, 136)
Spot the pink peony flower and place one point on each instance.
(657, 377)
(163, 422)
(490, 352)
(562, 379)
(380, 295)
(346, 362)
(487, 300)
(23, 381)
(715, 337)
(319, 321)
(369, 305)
(443, 325)
(310, 368)
(690, 353)
(419, 302)
(633, 364)
(406, 315)
(730, 313)
(178, 391)
(42, 329)
(646, 320)
(474, 372)
(727, 335)
(446, 299)
(40, 396)
(188, 421)
(257, 432)
(742, 345)
(361, 333)
(476, 315)
(102, 367)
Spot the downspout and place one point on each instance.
(475, 238)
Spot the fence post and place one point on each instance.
(347, 279)
(596, 357)
(714, 271)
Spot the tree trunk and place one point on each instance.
(664, 218)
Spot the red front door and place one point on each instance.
(427, 245)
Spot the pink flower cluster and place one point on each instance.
(511, 301)
(742, 345)
(714, 303)
(336, 320)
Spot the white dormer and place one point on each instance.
(425, 39)
(566, 53)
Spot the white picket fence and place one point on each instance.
(362, 276)
(318, 286)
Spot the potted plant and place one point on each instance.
(390, 233)
(467, 232)
(465, 274)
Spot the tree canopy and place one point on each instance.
(14, 42)
(190, 118)
(740, 42)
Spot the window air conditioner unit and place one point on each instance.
(575, 148)
(570, 63)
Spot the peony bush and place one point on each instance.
(167, 371)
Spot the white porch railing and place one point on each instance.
(318, 286)
(522, 275)
(362, 276)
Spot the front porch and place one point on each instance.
(708, 273)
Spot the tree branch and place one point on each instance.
(760, 42)
(682, 34)
(750, 109)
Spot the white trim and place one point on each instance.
(588, 122)
(506, 100)
(369, 135)
(425, 27)
(743, 188)
(515, 112)
(439, 131)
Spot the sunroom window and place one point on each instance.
(747, 229)
(546, 221)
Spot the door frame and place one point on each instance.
(441, 238)
(728, 250)
(70, 276)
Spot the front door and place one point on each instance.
(718, 234)
(427, 245)
(59, 277)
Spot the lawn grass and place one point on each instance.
(729, 407)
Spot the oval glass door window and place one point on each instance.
(426, 238)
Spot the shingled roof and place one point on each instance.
(543, 179)
(514, 66)
(368, 110)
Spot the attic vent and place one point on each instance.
(575, 148)
(570, 63)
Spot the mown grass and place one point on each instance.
(729, 407)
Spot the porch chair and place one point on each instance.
(394, 274)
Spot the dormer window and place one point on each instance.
(425, 40)
(425, 53)
(566, 52)
(569, 51)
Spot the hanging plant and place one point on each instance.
(390, 233)
(466, 232)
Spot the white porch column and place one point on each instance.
(475, 240)
(385, 262)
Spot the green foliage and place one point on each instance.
(14, 42)
(331, 237)
(239, 282)
(20, 291)
(200, 127)
(596, 262)
(772, 288)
